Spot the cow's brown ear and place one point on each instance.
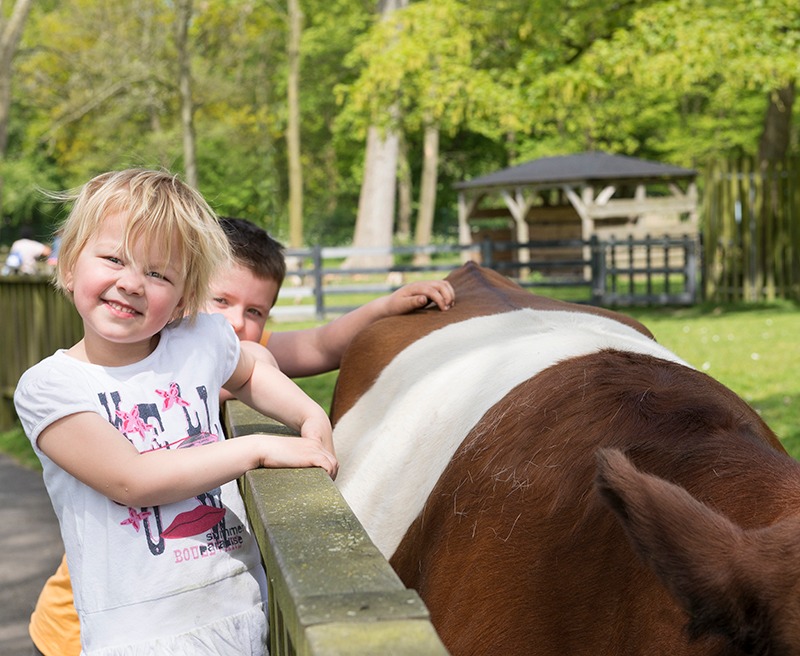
(693, 550)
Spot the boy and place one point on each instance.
(245, 294)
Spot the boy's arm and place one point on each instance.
(317, 350)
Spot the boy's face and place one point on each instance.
(244, 300)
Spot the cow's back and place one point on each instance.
(479, 292)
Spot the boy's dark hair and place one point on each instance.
(254, 249)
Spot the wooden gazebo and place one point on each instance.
(577, 196)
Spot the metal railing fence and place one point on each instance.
(651, 270)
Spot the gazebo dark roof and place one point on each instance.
(580, 168)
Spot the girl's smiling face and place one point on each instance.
(124, 303)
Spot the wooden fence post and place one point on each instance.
(598, 269)
(319, 296)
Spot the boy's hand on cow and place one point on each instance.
(417, 295)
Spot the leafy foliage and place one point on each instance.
(95, 88)
(682, 81)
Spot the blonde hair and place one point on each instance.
(159, 207)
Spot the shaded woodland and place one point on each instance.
(348, 121)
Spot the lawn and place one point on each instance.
(751, 349)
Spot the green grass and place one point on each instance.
(14, 443)
(751, 349)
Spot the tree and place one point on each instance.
(293, 126)
(375, 218)
(99, 106)
(96, 88)
(426, 60)
(678, 80)
(240, 90)
(101, 88)
(10, 34)
(332, 158)
(183, 19)
(773, 145)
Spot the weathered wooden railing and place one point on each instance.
(35, 320)
(331, 592)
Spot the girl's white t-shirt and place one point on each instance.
(182, 578)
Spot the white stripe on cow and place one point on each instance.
(396, 441)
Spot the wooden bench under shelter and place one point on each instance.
(574, 198)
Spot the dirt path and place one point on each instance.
(30, 549)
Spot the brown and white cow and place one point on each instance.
(554, 482)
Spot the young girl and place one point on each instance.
(126, 426)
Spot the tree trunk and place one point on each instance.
(774, 141)
(427, 193)
(293, 127)
(376, 204)
(772, 149)
(152, 102)
(404, 193)
(10, 35)
(184, 8)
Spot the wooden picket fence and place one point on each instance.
(751, 228)
(35, 321)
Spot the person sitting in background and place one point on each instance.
(245, 293)
(24, 254)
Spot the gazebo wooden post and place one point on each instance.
(583, 205)
(465, 209)
(518, 206)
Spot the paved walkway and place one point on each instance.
(30, 549)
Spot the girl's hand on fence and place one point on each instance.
(416, 295)
(318, 427)
(279, 451)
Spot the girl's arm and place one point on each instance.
(272, 393)
(94, 452)
(316, 350)
(259, 353)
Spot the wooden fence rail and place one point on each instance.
(654, 270)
